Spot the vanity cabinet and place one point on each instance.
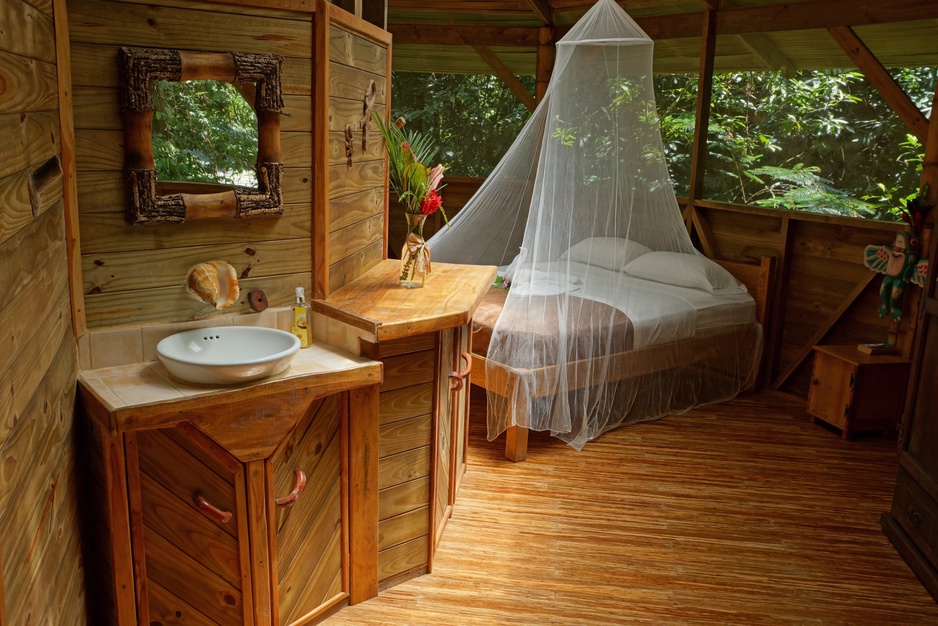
(228, 506)
(422, 337)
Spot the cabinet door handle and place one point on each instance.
(456, 379)
(291, 498)
(211, 512)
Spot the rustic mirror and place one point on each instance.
(256, 76)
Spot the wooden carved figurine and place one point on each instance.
(900, 264)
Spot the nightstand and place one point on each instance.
(857, 392)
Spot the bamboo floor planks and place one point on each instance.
(741, 513)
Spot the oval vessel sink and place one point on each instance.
(227, 354)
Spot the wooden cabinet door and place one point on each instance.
(912, 523)
(443, 433)
(188, 523)
(307, 518)
(461, 409)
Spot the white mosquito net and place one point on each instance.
(612, 316)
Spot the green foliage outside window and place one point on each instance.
(203, 131)
(473, 118)
(821, 141)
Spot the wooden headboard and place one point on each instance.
(758, 280)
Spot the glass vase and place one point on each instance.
(415, 256)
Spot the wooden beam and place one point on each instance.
(375, 12)
(69, 166)
(712, 5)
(320, 199)
(462, 35)
(704, 96)
(707, 239)
(813, 14)
(887, 87)
(825, 328)
(3, 602)
(823, 14)
(543, 11)
(502, 71)
(545, 62)
(767, 53)
(772, 340)
(930, 162)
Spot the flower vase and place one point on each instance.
(415, 256)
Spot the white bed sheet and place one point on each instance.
(660, 313)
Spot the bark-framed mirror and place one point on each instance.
(256, 76)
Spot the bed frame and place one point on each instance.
(501, 381)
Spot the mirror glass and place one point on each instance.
(204, 131)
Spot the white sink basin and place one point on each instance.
(227, 354)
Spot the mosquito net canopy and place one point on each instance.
(580, 214)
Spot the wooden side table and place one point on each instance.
(857, 392)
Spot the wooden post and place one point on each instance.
(702, 123)
(929, 178)
(320, 200)
(363, 493)
(63, 60)
(545, 61)
(376, 12)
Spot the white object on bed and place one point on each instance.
(612, 253)
(683, 270)
(659, 312)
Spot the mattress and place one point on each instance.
(657, 313)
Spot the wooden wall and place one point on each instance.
(42, 579)
(135, 274)
(357, 190)
(823, 292)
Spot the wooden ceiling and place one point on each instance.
(438, 35)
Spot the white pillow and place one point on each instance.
(683, 270)
(609, 252)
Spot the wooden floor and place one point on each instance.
(743, 513)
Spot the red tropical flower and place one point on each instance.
(431, 203)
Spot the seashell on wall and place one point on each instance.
(214, 282)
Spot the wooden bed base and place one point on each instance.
(502, 379)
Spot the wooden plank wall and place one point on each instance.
(42, 578)
(820, 268)
(136, 274)
(357, 195)
(406, 410)
(821, 282)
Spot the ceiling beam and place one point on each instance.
(814, 14)
(887, 87)
(543, 11)
(502, 71)
(435, 34)
(765, 51)
(822, 14)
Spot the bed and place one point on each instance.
(726, 323)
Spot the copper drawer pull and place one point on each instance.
(211, 512)
(291, 498)
(456, 379)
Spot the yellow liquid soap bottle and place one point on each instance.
(302, 319)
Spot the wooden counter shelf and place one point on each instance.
(232, 504)
(423, 338)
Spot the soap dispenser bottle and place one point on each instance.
(302, 319)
